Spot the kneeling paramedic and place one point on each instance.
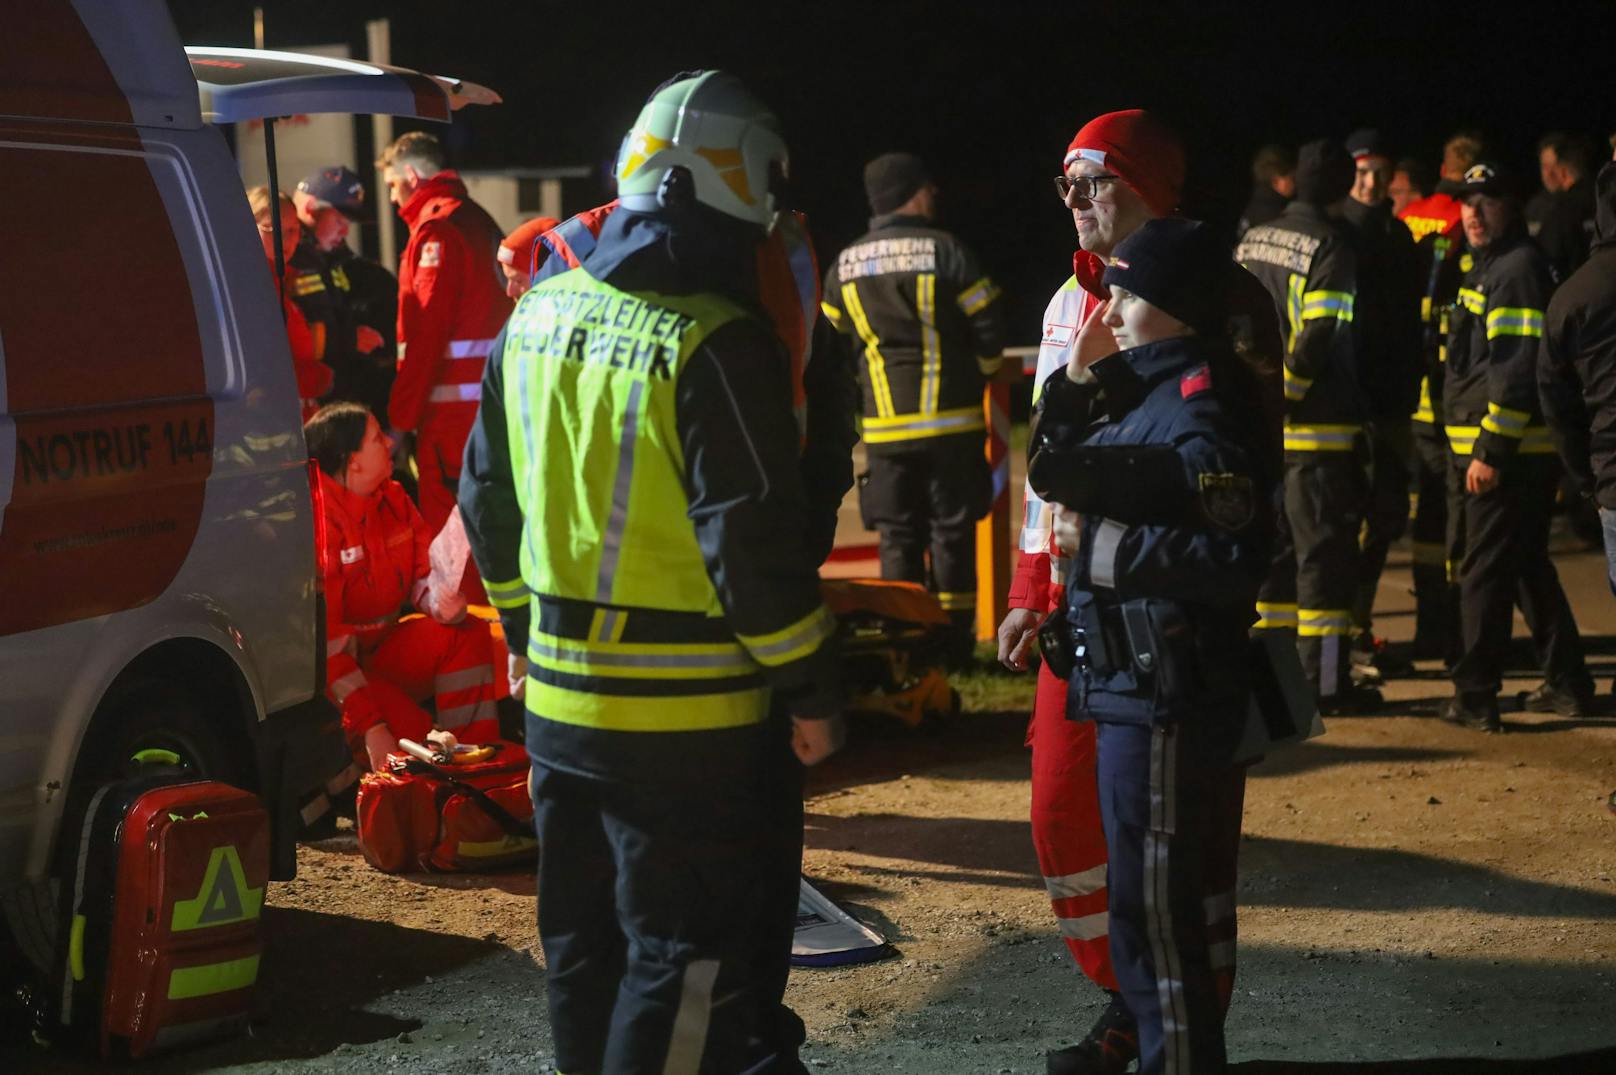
(633, 498)
(373, 549)
(1158, 449)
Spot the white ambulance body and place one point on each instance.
(157, 577)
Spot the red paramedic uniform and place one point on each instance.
(313, 376)
(451, 305)
(373, 555)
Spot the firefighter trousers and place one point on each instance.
(1066, 830)
(1385, 513)
(1312, 584)
(1172, 824)
(928, 499)
(1435, 601)
(1502, 537)
(421, 658)
(661, 913)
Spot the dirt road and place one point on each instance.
(1414, 898)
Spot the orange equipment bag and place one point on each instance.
(162, 942)
(448, 818)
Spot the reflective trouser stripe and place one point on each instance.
(688, 1038)
(956, 602)
(1158, 902)
(1087, 928)
(1082, 883)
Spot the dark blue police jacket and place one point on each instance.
(1164, 458)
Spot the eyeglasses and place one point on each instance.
(1084, 186)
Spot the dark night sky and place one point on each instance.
(989, 92)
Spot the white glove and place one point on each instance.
(516, 675)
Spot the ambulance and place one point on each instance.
(158, 592)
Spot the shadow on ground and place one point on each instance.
(1596, 1062)
(318, 974)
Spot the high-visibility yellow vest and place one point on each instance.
(627, 630)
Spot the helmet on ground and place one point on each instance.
(708, 133)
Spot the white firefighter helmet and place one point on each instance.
(717, 130)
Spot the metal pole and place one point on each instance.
(275, 212)
(378, 38)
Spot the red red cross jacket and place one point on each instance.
(451, 301)
(374, 558)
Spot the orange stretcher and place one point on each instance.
(893, 645)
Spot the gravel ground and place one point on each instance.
(1414, 898)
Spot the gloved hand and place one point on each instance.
(516, 675)
(815, 740)
(449, 608)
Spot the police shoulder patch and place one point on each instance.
(1194, 382)
(1228, 500)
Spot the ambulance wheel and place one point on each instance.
(157, 724)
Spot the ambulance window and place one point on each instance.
(96, 303)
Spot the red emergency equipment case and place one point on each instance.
(448, 818)
(162, 945)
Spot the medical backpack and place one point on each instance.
(161, 942)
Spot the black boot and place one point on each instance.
(1112, 1044)
(1477, 712)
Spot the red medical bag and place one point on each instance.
(162, 942)
(448, 818)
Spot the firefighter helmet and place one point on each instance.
(715, 129)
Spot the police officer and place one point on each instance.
(929, 335)
(1386, 327)
(1504, 472)
(1434, 222)
(644, 529)
(1159, 448)
(1309, 265)
(351, 302)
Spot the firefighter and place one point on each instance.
(518, 252)
(1434, 223)
(313, 376)
(1560, 217)
(632, 494)
(451, 304)
(1577, 369)
(1504, 472)
(373, 556)
(354, 296)
(1273, 185)
(930, 333)
(1386, 327)
(1309, 265)
(1159, 448)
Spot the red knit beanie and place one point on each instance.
(1143, 151)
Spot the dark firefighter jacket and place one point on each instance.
(1577, 363)
(926, 328)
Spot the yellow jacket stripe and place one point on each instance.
(917, 426)
(977, 296)
(1505, 422)
(644, 660)
(931, 355)
(1275, 616)
(791, 642)
(511, 594)
(1320, 438)
(1514, 321)
(1423, 412)
(1296, 385)
(647, 713)
(1472, 300)
(879, 388)
(832, 313)
(1535, 440)
(1318, 305)
(1323, 622)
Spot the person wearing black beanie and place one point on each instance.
(1159, 448)
(1309, 265)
